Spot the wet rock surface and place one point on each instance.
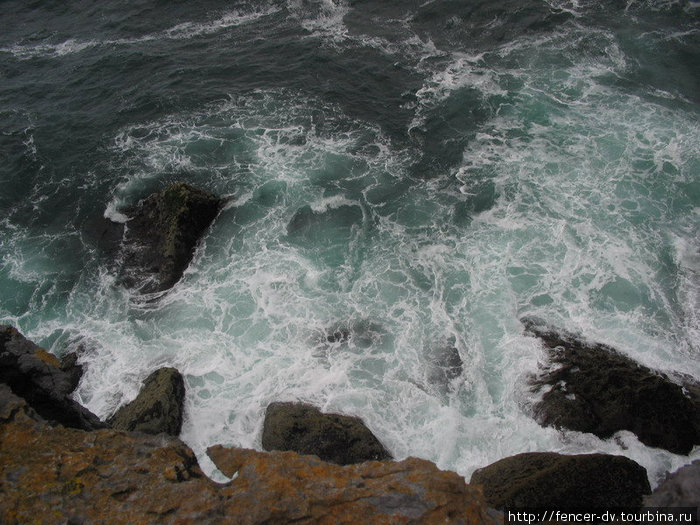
(550, 480)
(304, 429)
(594, 388)
(74, 371)
(39, 377)
(360, 334)
(158, 406)
(162, 233)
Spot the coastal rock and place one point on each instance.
(12, 406)
(158, 407)
(74, 371)
(38, 376)
(360, 334)
(332, 437)
(104, 234)
(283, 487)
(550, 480)
(680, 489)
(593, 388)
(162, 233)
(66, 475)
(338, 335)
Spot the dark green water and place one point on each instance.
(422, 174)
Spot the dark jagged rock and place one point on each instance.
(64, 475)
(680, 489)
(162, 233)
(12, 405)
(104, 234)
(549, 480)
(157, 408)
(332, 437)
(37, 376)
(74, 371)
(593, 388)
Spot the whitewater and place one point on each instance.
(463, 165)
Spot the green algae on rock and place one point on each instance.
(305, 429)
(162, 233)
(550, 480)
(158, 406)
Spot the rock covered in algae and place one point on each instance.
(162, 233)
(304, 429)
(550, 480)
(158, 406)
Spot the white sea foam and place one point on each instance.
(321, 17)
(112, 213)
(228, 20)
(183, 31)
(574, 232)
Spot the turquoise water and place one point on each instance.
(421, 176)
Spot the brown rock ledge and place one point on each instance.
(65, 475)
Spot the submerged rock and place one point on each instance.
(65, 475)
(162, 233)
(680, 489)
(593, 388)
(332, 226)
(444, 365)
(332, 437)
(38, 376)
(550, 480)
(339, 335)
(158, 407)
(362, 334)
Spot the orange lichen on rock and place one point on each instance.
(47, 358)
(313, 491)
(58, 475)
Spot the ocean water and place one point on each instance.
(419, 175)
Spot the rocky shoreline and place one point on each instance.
(590, 387)
(62, 464)
(102, 474)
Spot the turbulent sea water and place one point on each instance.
(458, 165)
